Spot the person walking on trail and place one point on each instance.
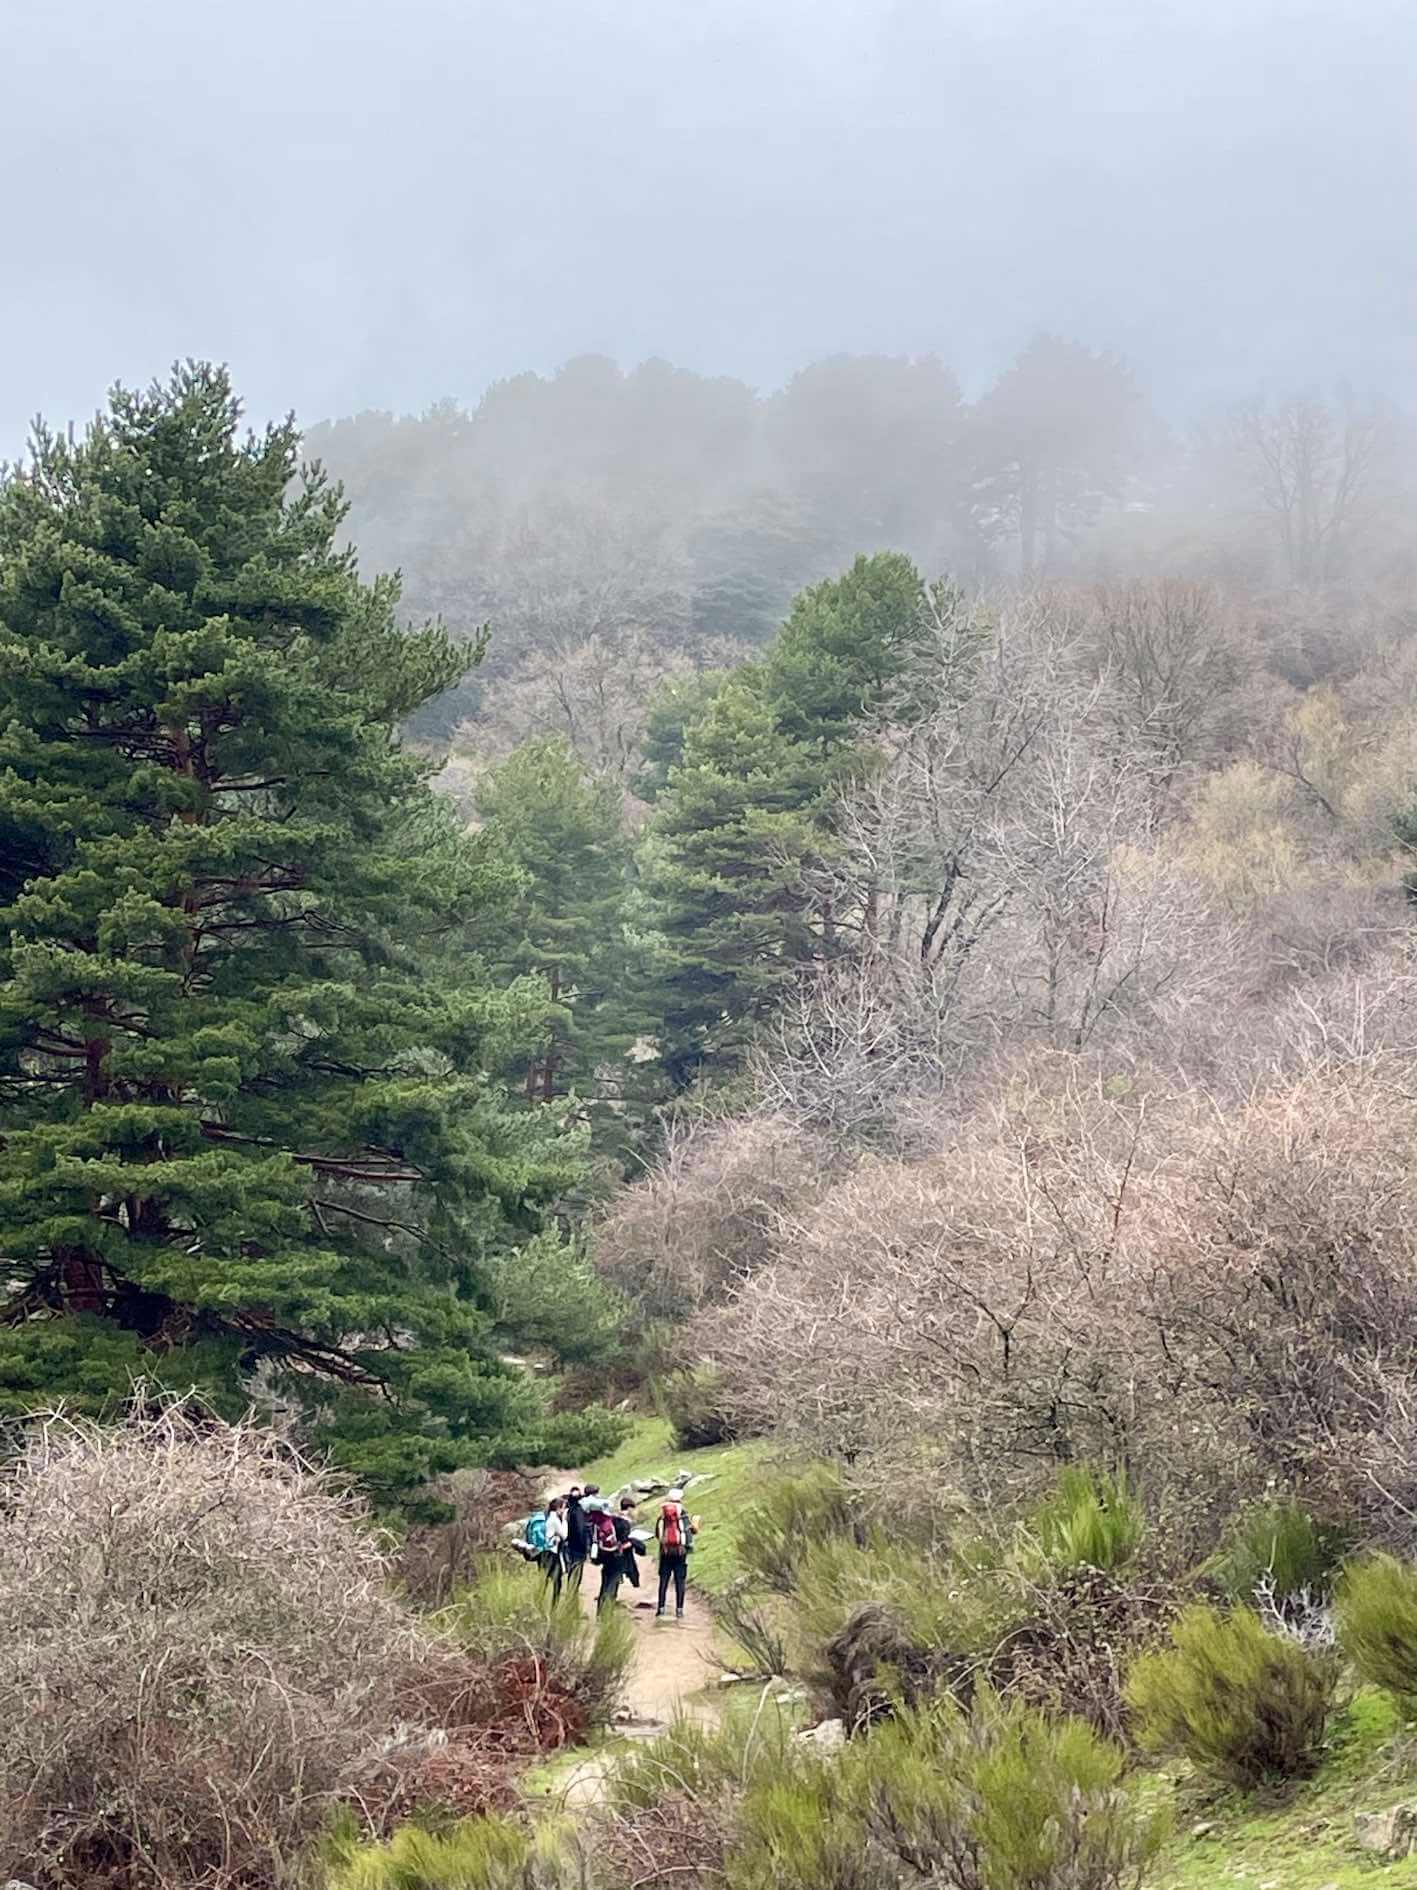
(577, 1537)
(675, 1535)
(616, 1550)
(553, 1556)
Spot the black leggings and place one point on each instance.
(612, 1573)
(677, 1568)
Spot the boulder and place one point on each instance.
(830, 1736)
(1391, 1833)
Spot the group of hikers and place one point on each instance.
(582, 1526)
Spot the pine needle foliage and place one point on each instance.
(252, 1144)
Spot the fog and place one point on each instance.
(359, 204)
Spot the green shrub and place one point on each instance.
(878, 1620)
(1091, 1520)
(793, 1514)
(1000, 1798)
(509, 1612)
(1241, 1704)
(753, 1632)
(693, 1401)
(1375, 1604)
(1280, 1544)
(702, 1763)
(475, 1854)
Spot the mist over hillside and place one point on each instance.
(360, 206)
(657, 506)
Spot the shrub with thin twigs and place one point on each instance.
(1277, 1549)
(796, 1511)
(485, 1853)
(692, 1399)
(549, 1667)
(753, 1630)
(995, 1798)
(196, 1648)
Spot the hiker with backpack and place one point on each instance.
(674, 1533)
(553, 1556)
(606, 1548)
(577, 1537)
(532, 1546)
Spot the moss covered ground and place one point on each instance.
(1301, 1838)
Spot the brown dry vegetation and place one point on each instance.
(1093, 1140)
(201, 1658)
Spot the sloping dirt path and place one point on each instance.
(672, 1661)
(671, 1665)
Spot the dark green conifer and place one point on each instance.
(249, 1138)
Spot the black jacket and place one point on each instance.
(577, 1530)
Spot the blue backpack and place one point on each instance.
(536, 1532)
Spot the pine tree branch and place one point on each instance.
(346, 1167)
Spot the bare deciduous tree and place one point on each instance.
(1312, 465)
(997, 879)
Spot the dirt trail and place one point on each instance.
(672, 1661)
(671, 1664)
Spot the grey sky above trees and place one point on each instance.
(361, 203)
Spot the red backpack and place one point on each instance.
(673, 1527)
(607, 1540)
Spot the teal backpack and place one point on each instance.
(536, 1532)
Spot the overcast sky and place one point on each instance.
(378, 202)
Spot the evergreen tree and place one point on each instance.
(564, 833)
(724, 862)
(678, 701)
(846, 649)
(250, 1142)
(746, 792)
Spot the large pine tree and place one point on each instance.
(564, 832)
(249, 1139)
(747, 774)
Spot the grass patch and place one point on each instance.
(1301, 1839)
(736, 1470)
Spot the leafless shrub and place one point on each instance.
(1304, 1618)
(437, 1559)
(706, 1216)
(958, 1297)
(1004, 877)
(196, 1646)
(1175, 659)
(1285, 1265)
(1218, 1291)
